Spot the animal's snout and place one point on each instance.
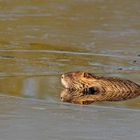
(62, 76)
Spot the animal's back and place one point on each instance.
(114, 84)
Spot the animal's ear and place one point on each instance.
(87, 75)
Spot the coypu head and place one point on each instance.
(75, 80)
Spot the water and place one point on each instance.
(40, 40)
(33, 119)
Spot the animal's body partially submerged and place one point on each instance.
(97, 88)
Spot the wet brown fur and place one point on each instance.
(106, 88)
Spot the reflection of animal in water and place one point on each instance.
(75, 96)
(85, 88)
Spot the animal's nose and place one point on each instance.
(62, 76)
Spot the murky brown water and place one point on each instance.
(39, 40)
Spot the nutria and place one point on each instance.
(85, 88)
